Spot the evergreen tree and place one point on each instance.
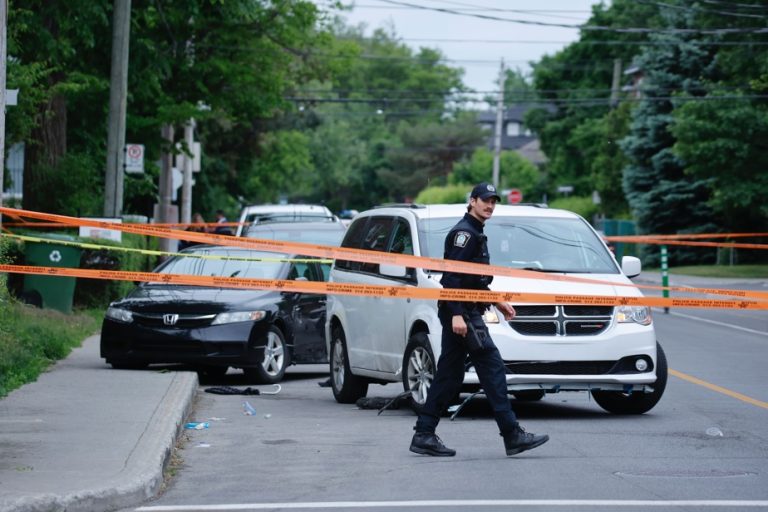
(663, 199)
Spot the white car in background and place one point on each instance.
(609, 351)
(281, 213)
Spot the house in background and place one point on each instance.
(514, 135)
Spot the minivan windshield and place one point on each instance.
(545, 244)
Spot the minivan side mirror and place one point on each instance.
(631, 266)
(388, 270)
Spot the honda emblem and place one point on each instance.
(170, 319)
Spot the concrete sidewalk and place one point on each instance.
(85, 437)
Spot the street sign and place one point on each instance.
(134, 158)
(514, 196)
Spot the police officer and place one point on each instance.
(466, 242)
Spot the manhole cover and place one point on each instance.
(685, 473)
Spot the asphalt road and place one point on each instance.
(703, 447)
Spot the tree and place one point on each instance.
(723, 144)
(662, 197)
(428, 154)
(514, 171)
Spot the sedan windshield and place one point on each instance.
(223, 262)
(545, 244)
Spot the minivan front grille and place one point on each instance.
(558, 320)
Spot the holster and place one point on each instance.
(477, 335)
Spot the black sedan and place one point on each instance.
(211, 329)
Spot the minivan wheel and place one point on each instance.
(276, 359)
(347, 388)
(419, 368)
(618, 402)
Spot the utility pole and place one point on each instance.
(3, 51)
(615, 83)
(165, 210)
(118, 91)
(186, 185)
(499, 122)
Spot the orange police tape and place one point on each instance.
(360, 255)
(669, 241)
(403, 292)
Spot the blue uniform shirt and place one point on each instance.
(466, 242)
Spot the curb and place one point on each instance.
(142, 476)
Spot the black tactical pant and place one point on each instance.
(450, 376)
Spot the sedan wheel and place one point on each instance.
(418, 369)
(276, 359)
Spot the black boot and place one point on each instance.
(427, 443)
(518, 440)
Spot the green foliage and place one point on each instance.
(449, 194)
(581, 205)
(98, 293)
(428, 154)
(661, 196)
(514, 171)
(32, 339)
(724, 145)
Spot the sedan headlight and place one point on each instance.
(238, 316)
(119, 315)
(637, 314)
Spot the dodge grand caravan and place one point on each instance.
(608, 351)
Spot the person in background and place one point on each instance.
(465, 333)
(222, 219)
(198, 226)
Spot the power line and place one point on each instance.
(698, 9)
(628, 30)
(589, 42)
(475, 8)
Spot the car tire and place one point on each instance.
(419, 368)
(208, 372)
(618, 402)
(276, 359)
(347, 388)
(532, 395)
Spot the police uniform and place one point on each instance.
(466, 242)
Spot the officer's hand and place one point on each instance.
(459, 325)
(506, 309)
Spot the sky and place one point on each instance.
(473, 43)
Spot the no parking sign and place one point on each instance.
(134, 158)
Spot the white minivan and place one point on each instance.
(609, 351)
(282, 213)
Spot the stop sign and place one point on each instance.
(514, 196)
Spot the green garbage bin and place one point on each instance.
(54, 292)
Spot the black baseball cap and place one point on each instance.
(485, 191)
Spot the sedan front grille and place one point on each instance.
(173, 320)
(558, 320)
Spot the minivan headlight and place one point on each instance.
(238, 316)
(637, 314)
(490, 316)
(119, 315)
